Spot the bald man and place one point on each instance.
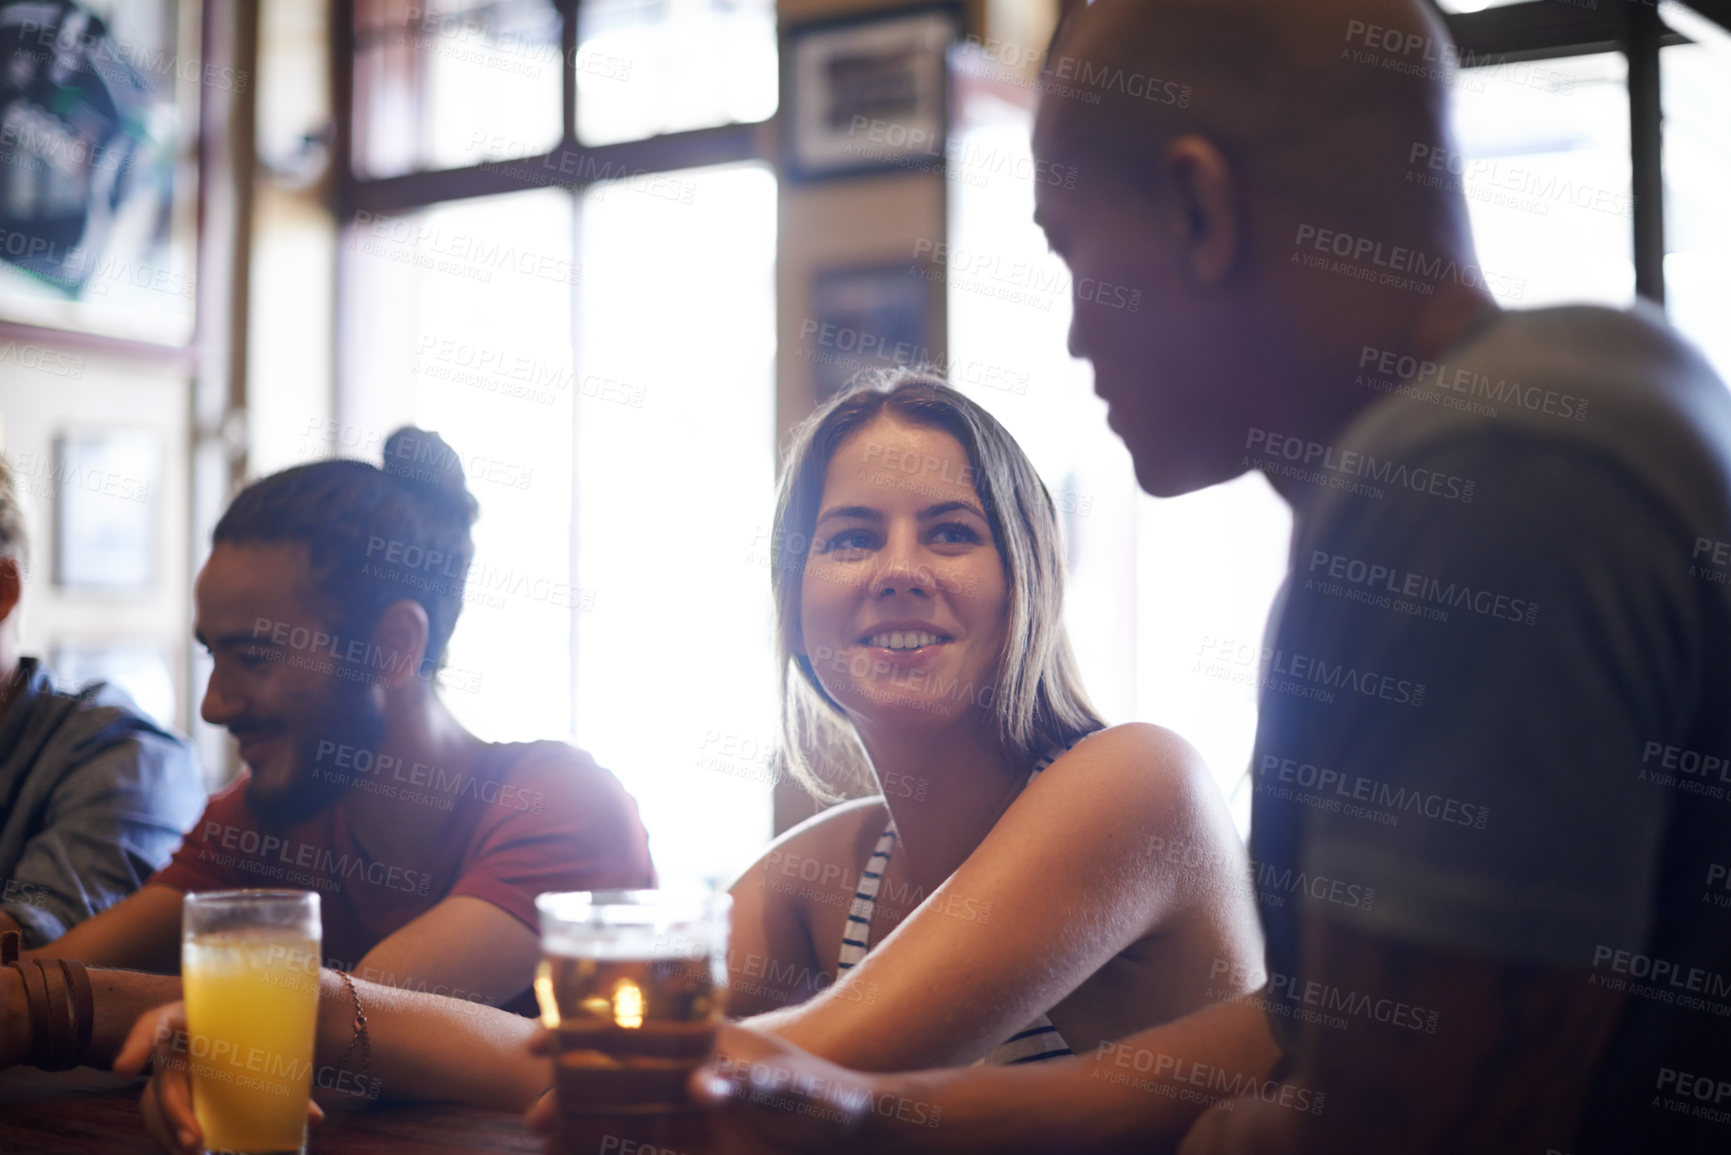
(1492, 821)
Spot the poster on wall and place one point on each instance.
(105, 510)
(98, 107)
(869, 93)
(863, 319)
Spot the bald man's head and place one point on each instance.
(1208, 136)
(1306, 96)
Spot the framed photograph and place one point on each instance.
(865, 318)
(105, 510)
(869, 93)
(98, 168)
(141, 668)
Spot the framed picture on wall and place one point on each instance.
(869, 93)
(874, 317)
(98, 169)
(105, 487)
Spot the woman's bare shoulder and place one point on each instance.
(1136, 751)
(1146, 790)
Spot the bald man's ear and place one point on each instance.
(1204, 207)
(401, 636)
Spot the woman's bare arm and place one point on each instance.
(1070, 876)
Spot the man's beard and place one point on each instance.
(352, 720)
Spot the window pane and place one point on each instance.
(453, 83)
(675, 461)
(1543, 158)
(1696, 89)
(646, 67)
(462, 325)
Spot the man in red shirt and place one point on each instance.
(330, 593)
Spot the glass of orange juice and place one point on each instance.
(249, 973)
(634, 984)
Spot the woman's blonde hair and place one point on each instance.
(14, 531)
(1037, 697)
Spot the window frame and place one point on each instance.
(1546, 30)
(355, 193)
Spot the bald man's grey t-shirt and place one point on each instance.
(1496, 699)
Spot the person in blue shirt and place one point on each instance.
(94, 795)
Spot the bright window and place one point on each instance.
(1544, 164)
(1696, 90)
(451, 83)
(585, 345)
(465, 308)
(674, 493)
(611, 599)
(646, 67)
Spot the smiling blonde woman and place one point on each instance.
(1007, 891)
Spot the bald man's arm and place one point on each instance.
(1140, 1094)
(1508, 1068)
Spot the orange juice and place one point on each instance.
(252, 1000)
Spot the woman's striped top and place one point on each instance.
(1039, 1039)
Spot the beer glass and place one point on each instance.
(634, 984)
(249, 972)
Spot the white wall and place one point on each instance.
(83, 392)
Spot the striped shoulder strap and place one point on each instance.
(1038, 1040)
(857, 934)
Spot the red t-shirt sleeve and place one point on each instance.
(560, 822)
(197, 864)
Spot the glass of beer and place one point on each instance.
(249, 974)
(634, 983)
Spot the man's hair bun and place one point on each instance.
(431, 468)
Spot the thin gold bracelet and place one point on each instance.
(360, 1035)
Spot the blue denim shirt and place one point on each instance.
(93, 799)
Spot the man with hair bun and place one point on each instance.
(326, 604)
(93, 794)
